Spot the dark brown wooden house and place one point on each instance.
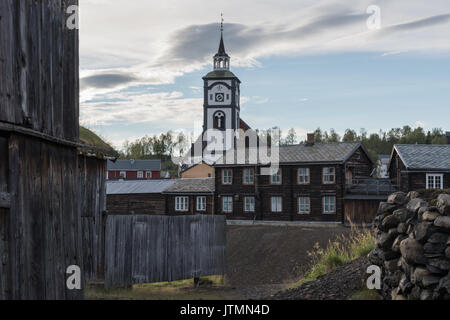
(310, 185)
(137, 197)
(414, 166)
(191, 196)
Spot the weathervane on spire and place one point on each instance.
(221, 23)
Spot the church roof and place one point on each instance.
(220, 74)
(221, 51)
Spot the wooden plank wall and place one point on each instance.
(360, 211)
(92, 201)
(39, 80)
(44, 220)
(146, 249)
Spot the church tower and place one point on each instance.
(221, 105)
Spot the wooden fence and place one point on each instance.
(147, 249)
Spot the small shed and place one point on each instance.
(137, 197)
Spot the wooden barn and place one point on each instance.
(51, 186)
(416, 166)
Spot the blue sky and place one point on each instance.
(339, 75)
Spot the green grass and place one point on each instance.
(343, 249)
(91, 139)
(209, 288)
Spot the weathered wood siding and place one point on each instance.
(360, 211)
(150, 203)
(39, 67)
(146, 249)
(43, 222)
(92, 201)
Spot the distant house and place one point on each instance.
(191, 196)
(137, 197)
(416, 166)
(310, 185)
(199, 170)
(134, 169)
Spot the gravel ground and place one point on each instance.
(272, 255)
(339, 284)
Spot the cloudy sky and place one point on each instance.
(303, 64)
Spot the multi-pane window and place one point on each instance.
(277, 204)
(303, 205)
(249, 204)
(201, 203)
(329, 204)
(329, 175)
(276, 177)
(249, 176)
(227, 176)
(227, 204)
(303, 176)
(181, 203)
(434, 181)
(140, 174)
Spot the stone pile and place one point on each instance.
(413, 247)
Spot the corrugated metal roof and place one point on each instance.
(319, 152)
(194, 185)
(138, 186)
(152, 165)
(424, 156)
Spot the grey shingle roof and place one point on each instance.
(424, 156)
(153, 165)
(319, 152)
(137, 187)
(194, 185)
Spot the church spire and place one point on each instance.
(221, 59)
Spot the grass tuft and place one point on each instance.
(343, 249)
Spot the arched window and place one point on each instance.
(219, 120)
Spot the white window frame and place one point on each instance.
(140, 174)
(181, 204)
(326, 205)
(148, 174)
(225, 207)
(279, 177)
(201, 203)
(249, 204)
(230, 177)
(276, 206)
(305, 175)
(326, 175)
(303, 205)
(248, 176)
(434, 176)
(123, 174)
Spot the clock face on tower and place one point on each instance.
(220, 97)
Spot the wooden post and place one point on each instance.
(196, 282)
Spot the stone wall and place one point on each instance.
(413, 247)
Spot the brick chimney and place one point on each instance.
(310, 139)
(447, 134)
